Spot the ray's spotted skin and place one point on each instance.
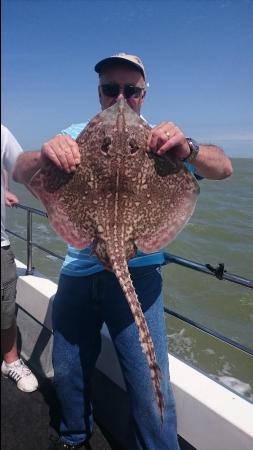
(120, 198)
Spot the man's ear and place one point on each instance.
(99, 94)
(143, 97)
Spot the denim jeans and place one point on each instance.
(81, 306)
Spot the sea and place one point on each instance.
(220, 231)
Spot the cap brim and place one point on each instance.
(101, 65)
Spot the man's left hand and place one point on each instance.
(168, 137)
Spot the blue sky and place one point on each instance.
(197, 54)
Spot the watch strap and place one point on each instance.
(194, 150)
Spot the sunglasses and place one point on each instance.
(129, 91)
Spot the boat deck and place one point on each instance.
(29, 419)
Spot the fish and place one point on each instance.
(120, 198)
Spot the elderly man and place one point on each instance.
(89, 295)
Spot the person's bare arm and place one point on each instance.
(211, 162)
(6, 180)
(62, 150)
(27, 164)
(10, 198)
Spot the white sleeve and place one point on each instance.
(10, 148)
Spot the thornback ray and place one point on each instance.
(120, 198)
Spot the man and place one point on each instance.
(12, 366)
(88, 295)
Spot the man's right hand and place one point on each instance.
(63, 151)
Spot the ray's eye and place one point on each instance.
(133, 146)
(106, 144)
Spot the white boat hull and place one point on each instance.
(210, 416)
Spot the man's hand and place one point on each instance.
(10, 198)
(167, 136)
(63, 151)
(211, 162)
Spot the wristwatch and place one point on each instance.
(194, 149)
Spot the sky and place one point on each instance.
(197, 55)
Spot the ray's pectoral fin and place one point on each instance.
(49, 185)
(173, 199)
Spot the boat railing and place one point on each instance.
(218, 272)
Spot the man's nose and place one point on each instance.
(120, 94)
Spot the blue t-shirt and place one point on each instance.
(84, 262)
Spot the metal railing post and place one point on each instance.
(29, 267)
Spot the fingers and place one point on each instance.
(156, 135)
(167, 136)
(10, 202)
(10, 199)
(171, 143)
(63, 151)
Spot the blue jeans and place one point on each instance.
(81, 306)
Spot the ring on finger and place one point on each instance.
(167, 134)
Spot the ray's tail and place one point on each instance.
(122, 273)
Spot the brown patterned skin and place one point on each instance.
(120, 198)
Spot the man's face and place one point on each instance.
(121, 75)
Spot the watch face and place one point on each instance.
(193, 144)
(194, 148)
